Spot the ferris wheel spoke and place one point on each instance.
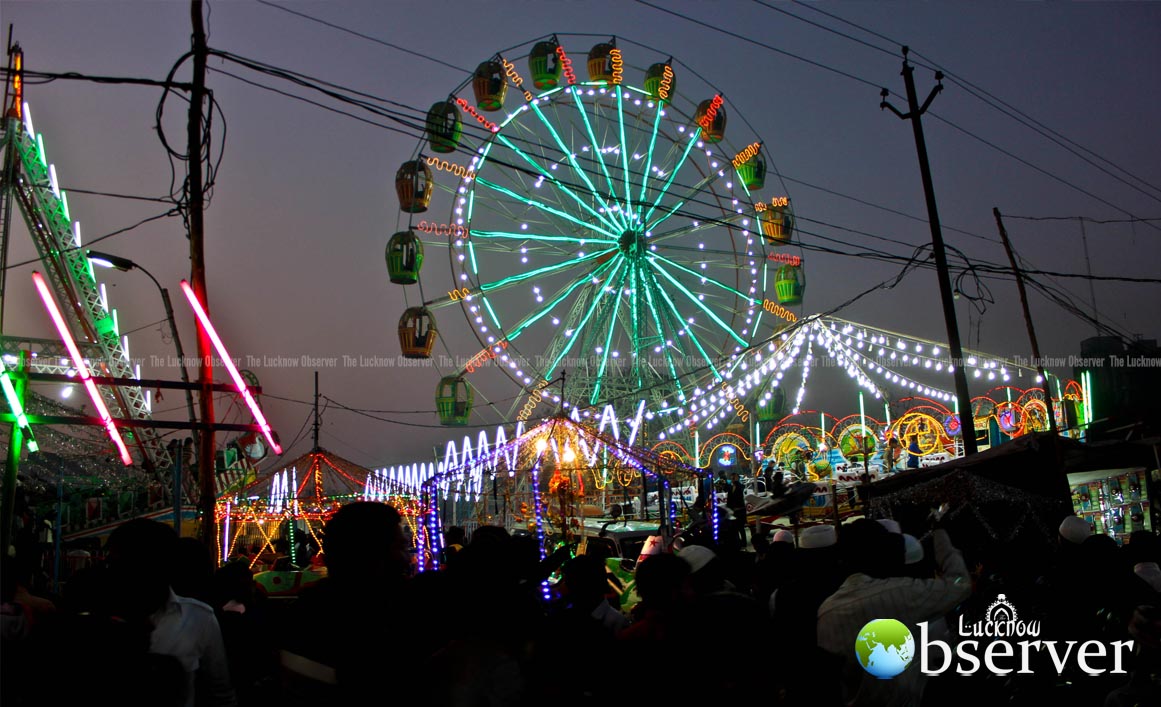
(584, 321)
(560, 185)
(696, 226)
(543, 207)
(525, 236)
(599, 155)
(649, 155)
(694, 190)
(663, 342)
(701, 305)
(562, 294)
(627, 176)
(613, 308)
(673, 311)
(704, 278)
(693, 136)
(570, 156)
(513, 279)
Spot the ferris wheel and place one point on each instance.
(600, 224)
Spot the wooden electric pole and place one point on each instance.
(1027, 320)
(196, 209)
(914, 112)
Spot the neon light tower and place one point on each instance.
(31, 182)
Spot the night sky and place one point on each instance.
(304, 200)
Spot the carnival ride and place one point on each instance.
(594, 227)
(93, 352)
(273, 515)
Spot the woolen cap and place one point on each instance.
(912, 550)
(698, 556)
(817, 536)
(891, 525)
(783, 536)
(1075, 529)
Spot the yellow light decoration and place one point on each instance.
(618, 66)
(457, 169)
(517, 80)
(922, 428)
(779, 311)
(749, 151)
(666, 83)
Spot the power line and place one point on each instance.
(142, 222)
(772, 48)
(865, 81)
(1086, 219)
(1041, 170)
(971, 88)
(360, 35)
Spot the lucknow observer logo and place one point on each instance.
(885, 648)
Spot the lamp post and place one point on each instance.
(124, 264)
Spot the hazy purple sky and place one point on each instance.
(304, 201)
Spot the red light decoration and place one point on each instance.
(475, 114)
(477, 362)
(785, 258)
(239, 383)
(82, 369)
(712, 112)
(566, 64)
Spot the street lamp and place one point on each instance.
(107, 260)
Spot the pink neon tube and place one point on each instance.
(79, 364)
(225, 355)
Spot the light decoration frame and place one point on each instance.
(559, 439)
(82, 370)
(17, 408)
(239, 382)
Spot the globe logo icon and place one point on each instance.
(885, 648)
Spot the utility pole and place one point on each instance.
(1096, 317)
(196, 207)
(914, 112)
(1027, 320)
(315, 448)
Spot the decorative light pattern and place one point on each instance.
(82, 369)
(239, 383)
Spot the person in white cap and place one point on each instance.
(794, 611)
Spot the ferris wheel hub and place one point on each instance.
(632, 243)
